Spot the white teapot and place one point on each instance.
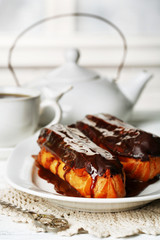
(89, 93)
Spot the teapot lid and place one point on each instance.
(70, 71)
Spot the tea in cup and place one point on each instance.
(20, 112)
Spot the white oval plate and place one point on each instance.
(21, 174)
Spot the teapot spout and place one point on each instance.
(133, 89)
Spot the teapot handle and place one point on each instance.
(120, 66)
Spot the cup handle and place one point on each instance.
(53, 104)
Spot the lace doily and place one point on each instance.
(121, 224)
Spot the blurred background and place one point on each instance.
(43, 48)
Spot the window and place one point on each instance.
(45, 44)
(132, 16)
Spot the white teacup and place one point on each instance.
(20, 113)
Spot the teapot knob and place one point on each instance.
(72, 55)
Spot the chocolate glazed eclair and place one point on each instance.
(137, 150)
(91, 170)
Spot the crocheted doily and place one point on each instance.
(120, 224)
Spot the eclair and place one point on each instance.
(137, 150)
(94, 172)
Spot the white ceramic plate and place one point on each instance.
(5, 152)
(21, 174)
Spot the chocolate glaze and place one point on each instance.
(78, 152)
(135, 187)
(60, 186)
(119, 138)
